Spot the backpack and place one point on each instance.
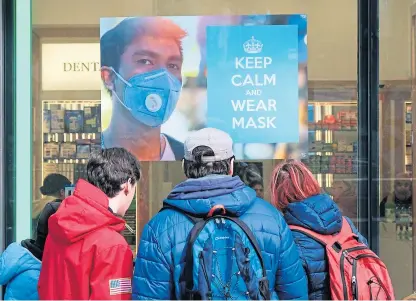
(222, 259)
(355, 272)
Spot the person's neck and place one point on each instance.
(125, 131)
(114, 205)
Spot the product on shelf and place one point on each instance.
(51, 150)
(409, 114)
(95, 148)
(92, 119)
(83, 151)
(320, 146)
(57, 121)
(408, 138)
(344, 120)
(341, 146)
(68, 150)
(74, 121)
(336, 164)
(46, 126)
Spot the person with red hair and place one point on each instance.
(297, 194)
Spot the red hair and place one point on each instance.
(292, 182)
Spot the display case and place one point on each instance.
(332, 157)
(71, 130)
(332, 141)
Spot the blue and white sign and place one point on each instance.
(253, 91)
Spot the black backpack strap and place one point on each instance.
(193, 218)
(264, 282)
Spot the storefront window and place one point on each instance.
(69, 111)
(68, 105)
(397, 67)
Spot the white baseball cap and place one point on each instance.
(220, 143)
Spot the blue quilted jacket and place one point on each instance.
(320, 214)
(158, 264)
(19, 272)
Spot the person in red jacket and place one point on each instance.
(85, 256)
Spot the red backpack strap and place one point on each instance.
(325, 239)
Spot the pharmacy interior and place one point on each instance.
(66, 93)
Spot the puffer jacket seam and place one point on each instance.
(166, 263)
(161, 233)
(147, 279)
(302, 257)
(152, 261)
(292, 283)
(289, 267)
(258, 214)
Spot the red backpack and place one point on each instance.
(355, 272)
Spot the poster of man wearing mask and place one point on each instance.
(154, 84)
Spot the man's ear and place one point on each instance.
(62, 193)
(107, 76)
(231, 167)
(125, 188)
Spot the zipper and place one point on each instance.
(344, 283)
(356, 249)
(354, 286)
(366, 256)
(204, 270)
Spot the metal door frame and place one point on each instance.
(368, 129)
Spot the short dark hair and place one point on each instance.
(198, 169)
(248, 173)
(254, 183)
(109, 168)
(115, 41)
(53, 184)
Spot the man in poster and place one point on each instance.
(141, 61)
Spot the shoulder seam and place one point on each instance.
(114, 246)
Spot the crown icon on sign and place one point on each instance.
(253, 46)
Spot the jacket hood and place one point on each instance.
(82, 213)
(14, 261)
(36, 246)
(318, 213)
(33, 247)
(198, 196)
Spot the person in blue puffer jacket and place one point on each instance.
(208, 165)
(298, 195)
(20, 263)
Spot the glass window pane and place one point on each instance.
(396, 113)
(67, 85)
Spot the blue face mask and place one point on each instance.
(151, 97)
